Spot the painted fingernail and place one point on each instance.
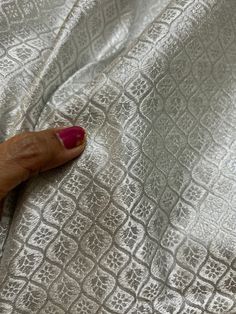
(71, 137)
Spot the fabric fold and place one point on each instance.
(144, 221)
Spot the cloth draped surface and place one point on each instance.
(144, 222)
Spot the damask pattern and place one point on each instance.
(144, 221)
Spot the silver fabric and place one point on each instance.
(144, 222)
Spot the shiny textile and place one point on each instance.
(144, 222)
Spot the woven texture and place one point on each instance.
(144, 222)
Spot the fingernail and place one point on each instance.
(71, 137)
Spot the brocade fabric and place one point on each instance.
(144, 222)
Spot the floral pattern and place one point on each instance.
(143, 222)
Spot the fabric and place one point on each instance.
(144, 222)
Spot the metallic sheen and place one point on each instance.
(144, 222)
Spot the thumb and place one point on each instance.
(30, 153)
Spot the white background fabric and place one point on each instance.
(144, 221)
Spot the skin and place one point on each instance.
(28, 154)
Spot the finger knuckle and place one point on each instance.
(26, 149)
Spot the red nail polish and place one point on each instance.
(72, 136)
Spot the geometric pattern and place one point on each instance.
(144, 220)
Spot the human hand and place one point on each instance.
(27, 154)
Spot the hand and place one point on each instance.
(27, 154)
